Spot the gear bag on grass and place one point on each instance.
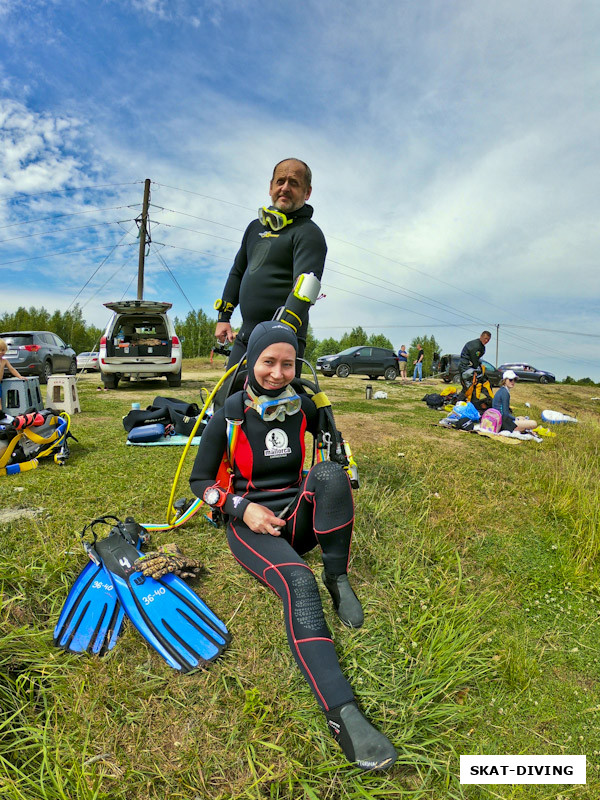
(491, 421)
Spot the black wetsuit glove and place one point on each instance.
(168, 558)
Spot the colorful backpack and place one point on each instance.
(491, 421)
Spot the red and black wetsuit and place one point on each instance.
(267, 469)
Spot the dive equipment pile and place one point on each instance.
(28, 437)
(165, 611)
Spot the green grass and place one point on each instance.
(477, 564)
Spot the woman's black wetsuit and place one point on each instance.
(267, 469)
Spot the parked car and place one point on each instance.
(449, 371)
(525, 372)
(139, 342)
(371, 361)
(39, 353)
(88, 361)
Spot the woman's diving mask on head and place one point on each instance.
(272, 408)
(272, 218)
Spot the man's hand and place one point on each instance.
(260, 520)
(224, 333)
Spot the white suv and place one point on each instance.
(139, 342)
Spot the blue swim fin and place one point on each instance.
(167, 613)
(92, 616)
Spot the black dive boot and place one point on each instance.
(362, 744)
(345, 602)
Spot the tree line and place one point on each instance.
(197, 334)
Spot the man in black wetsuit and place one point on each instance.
(471, 356)
(272, 270)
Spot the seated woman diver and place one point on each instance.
(275, 514)
(501, 403)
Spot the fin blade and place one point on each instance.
(91, 617)
(166, 612)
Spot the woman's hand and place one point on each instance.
(261, 520)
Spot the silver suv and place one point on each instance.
(39, 353)
(139, 342)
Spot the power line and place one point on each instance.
(190, 250)
(58, 216)
(174, 278)
(62, 253)
(98, 268)
(63, 230)
(206, 196)
(21, 196)
(193, 216)
(193, 230)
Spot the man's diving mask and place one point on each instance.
(272, 218)
(271, 408)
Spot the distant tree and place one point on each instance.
(430, 346)
(379, 340)
(311, 345)
(356, 337)
(326, 347)
(569, 380)
(585, 382)
(69, 325)
(197, 334)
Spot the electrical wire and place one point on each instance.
(63, 230)
(70, 189)
(62, 253)
(206, 196)
(194, 216)
(59, 216)
(176, 282)
(102, 263)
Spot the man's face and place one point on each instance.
(288, 188)
(484, 339)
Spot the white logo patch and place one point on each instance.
(276, 442)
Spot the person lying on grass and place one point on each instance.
(275, 514)
(501, 402)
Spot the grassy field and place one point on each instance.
(477, 564)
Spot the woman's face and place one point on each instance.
(276, 366)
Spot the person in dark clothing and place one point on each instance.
(279, 252)
(471, 355)
(418, 363)
(275, 514)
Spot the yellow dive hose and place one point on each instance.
(172, 520)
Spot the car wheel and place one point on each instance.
(110, 381)
(46, 372)
(390, 374)
(343, 371)
(174, 378)
(543, 379)
(72, 368)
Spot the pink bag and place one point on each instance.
(491, 421)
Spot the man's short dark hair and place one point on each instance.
(307, 170)
(485, 333)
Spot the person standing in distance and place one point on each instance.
(279, 265)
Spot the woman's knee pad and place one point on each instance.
(305, 601)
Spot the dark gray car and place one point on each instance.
(525, 372)
(371, 361)
(39, 353)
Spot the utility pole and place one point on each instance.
(144, 239)
(497, 337)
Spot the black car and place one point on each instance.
(39, 353)
(362, 360)
(525, 372)
(449, 372)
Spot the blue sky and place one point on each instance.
(454, 149)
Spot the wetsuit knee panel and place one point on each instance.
(305, 602)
